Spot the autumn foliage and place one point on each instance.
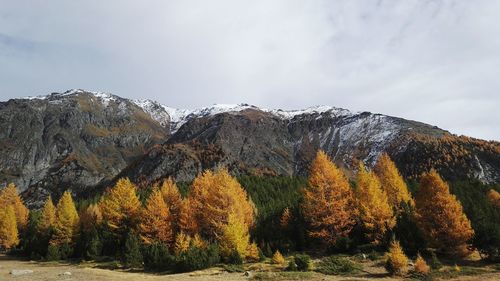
(440, 216)
(392, 182)
(494, 197)
(48, 215)
(375, 213)
(9, 197)
(9, 236)
(328, 205)
(214, 196)
(156, 220)
(120, 206)
(67, 221)
(397, 261)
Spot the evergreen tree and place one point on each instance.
(48, 216)
(440, 216)
(132, 256)
(328, 205)
(156, 222)
(392, 183)
(67, 221)
(375, 214)
(9, 236)
(285, 218)
(9, 196)
(120, 206)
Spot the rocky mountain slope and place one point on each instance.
(84, 141)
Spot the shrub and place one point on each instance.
(132, 256)
(53, 253)
(234, 258)
(253, 253)
(303, 262)
(396, 262)
(195, 258)
(292, 266)
(158, 258)
(278, 258)
(435, 262)
(65, 251)
(337, 265)
(421, 266)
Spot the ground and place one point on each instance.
(260, 271)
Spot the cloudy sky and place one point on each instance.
(429, 60)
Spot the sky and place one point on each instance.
(434, 61)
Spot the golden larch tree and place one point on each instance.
(375, 213)
(67, 221)
(186, 221)
(182, 243)
(90, 217)
(397, 261)
(48, 215)
(9, 236)
(392, 182)
(440, 216)
(235, 237)
(494, 197)
(9, 196)
(156, 221)
(172, 197)
(216, 195)
(120, 206)
(328, 206)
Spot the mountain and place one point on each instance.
(86, 140)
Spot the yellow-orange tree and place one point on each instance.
(392, 182)
(187, 221)
(235, 237)
(120, 206)
(90, 218)
(48, 215)
(173, 199)
(67, 221)
(156, 221)
(440, 216)
(494, 197)
(328, 206)
(9, 236)
(213, 197)
(9, 196)
(375, 213)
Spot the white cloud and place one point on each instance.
(432, 61)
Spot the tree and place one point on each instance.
(392, 182)
(172, 197)
(9, 196)
(8, 228)
(285, 218)
(156, 222)
(235, 237)
(132, 256)
(440, 216)
(397, 261)
(278, 258)
(421, 266)
(120, 206)
(182, 243)
(375, 214)
(48, 216)
(67, 221)
(186, 220)
(494, 197)
(328, 205)
(90, 218)
(216, 195)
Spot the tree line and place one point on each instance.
(233, 220)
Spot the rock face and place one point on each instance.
(84, 141)
(71, 140)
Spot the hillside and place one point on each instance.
(80, 140)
